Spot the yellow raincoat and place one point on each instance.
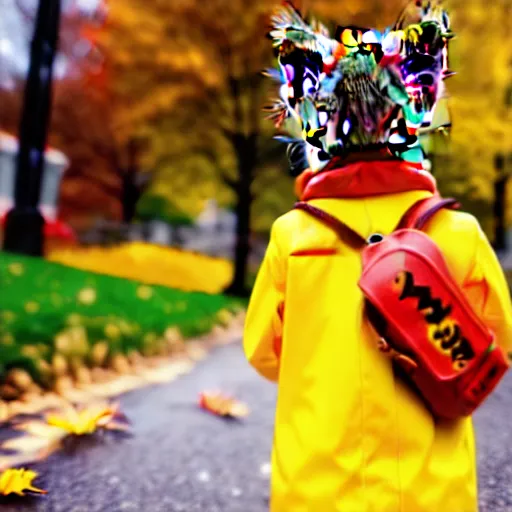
(349, 436)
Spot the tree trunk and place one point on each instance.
(131, 193)
(245, 148)
(500, 194)
(134, 182)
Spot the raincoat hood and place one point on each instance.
(357, 178)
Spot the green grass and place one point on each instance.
(47, 307)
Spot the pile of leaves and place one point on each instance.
(151, 264)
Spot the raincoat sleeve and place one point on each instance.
(489, 292)
(264, 321)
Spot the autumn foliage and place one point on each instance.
(183, 78)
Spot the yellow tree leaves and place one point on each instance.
(371, 13)
(187, 77)
(481, 55)
(191, 87)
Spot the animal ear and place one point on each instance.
(287, 23)
(411, 14)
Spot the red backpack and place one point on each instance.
(425, 323)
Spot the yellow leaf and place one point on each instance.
(18, 481)
(86, 420)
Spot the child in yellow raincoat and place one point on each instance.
(350, 436)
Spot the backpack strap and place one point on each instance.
(345, 233)
(414, 218)
(421, 212)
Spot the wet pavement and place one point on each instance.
(180, 458)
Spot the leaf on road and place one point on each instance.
(222, 405)
(18, 481)
(88, 419)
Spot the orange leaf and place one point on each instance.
(221, 405)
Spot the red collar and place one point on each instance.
(363, 178)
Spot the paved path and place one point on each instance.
(182, 459)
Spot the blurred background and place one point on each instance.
(146, 229)
(161, 178)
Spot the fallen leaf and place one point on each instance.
(222, 405)
(18, 481)
(88, 419)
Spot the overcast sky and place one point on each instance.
(16, 33)
(14, 40)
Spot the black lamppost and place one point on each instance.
(24, 223)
